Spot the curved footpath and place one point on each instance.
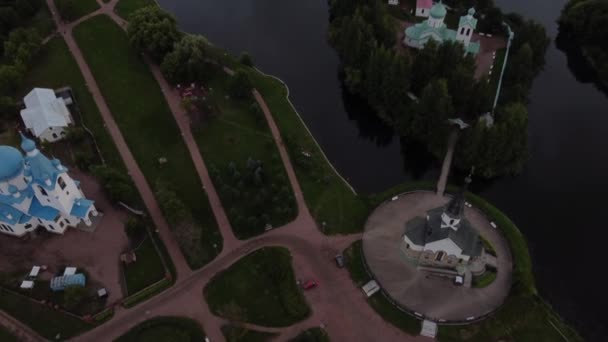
(337, 303)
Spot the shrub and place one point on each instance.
(246, 59)
(146, 293)
(135, 227)
(73, 296)
(240, 85)
(117, 185)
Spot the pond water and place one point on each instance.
(557, 201)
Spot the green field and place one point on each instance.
(44, 320)
(235, 134)
(147, 270)
(239, 334)
(124, 8)
(147, 124)
(354, 263)
(162, 329)
(71, 10)
(260, 289)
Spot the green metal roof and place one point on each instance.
(438, 11)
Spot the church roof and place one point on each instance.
(81, 207)
(422, 232)
(11, 162)
(424, 4)
(438, 11)
(39, 166)
(9, 215)
(468, 19)
(43, 111)
(41, 211)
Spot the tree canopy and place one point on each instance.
(21, 46)
(153, 31)
(586, 22)
(188, 60)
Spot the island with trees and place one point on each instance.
(416, 92)
(584, 23)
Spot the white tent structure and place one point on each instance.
(45, 116)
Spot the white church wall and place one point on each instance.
(446, 245)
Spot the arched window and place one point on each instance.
(462, 30)
(468, 32)
(42, 191)
(61, 183)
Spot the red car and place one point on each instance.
(310, 284)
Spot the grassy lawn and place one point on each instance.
(235, 134)
(328, 197)
(71, 10)
(147, 124)
(485, 279)
(44, 320)
(312, 335)
(161, 329)
(124, 8)
(260, 289)
(147, 270)
(238, 334)
(389, 312)
(6, 336)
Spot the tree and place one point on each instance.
(246, 59)
(73, 296)
(153, 31)
(240, 85)
(424, 67)
(10, 79)
(135, 227)
(8, 108)
(21, 46)
(116, 184)
(8, 19)
(27, 8)
(67, 9)
(171, 205)
(188, 60)
(432, 111)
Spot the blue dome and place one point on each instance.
(11, 162)
(27, 144)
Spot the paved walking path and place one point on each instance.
(447, 163)
(337, 303)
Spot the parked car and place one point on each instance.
(340, 260)
(310, 284)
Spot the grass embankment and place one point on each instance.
(260, 289)
(44, 320)
(124, 8)
(236, 135)
(71, 10)
(312, 335)
(148, 126)
(162, 329)
(234, 333)
(328, 197)
(390, 313)
(147, 270)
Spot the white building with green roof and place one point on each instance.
(418, 35)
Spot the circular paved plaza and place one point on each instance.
(435, 297)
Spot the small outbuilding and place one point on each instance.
(423, 8)
(45, 115)
(60, 283)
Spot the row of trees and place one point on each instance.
(586, 23)
(441, 77)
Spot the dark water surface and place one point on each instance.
(559, 199)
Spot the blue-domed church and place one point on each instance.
(38, 192)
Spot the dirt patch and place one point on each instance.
(97, 252)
